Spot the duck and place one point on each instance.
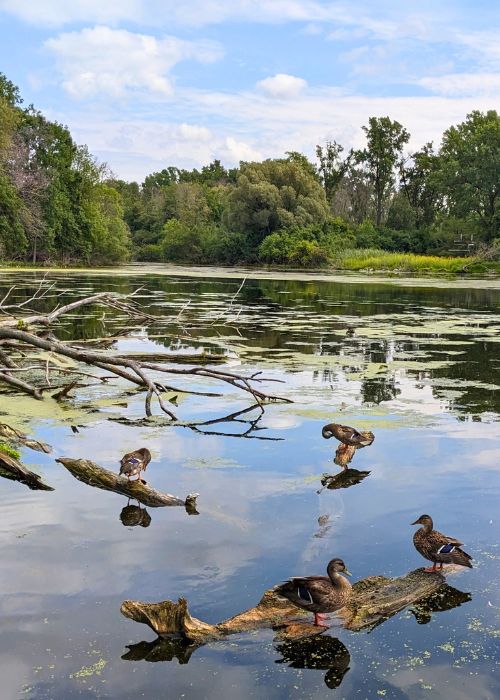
(319, 594)
(436, 547)
(348, 435)
(135, 462)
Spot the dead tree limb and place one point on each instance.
(18, 437)
(92, 474)
(25, 332)
(374, 599)
(11, 468)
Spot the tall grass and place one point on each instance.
(373, 259)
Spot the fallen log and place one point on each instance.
(94, 475)
(374, 599)
(11, 468)
(19, 437)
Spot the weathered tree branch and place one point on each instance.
(94, 475)
(21, 332)
(374, 600)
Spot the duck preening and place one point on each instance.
(319, 594)
(347, 435)
(438, 548)
(133, 463)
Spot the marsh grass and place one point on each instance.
(374, 259)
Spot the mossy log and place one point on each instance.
(374, 599)
(11, 468)
(21, 438)
(94, 475)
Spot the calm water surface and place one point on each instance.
(421, 372)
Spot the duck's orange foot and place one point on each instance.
(431, 570)
(319, 619)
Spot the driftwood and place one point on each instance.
(374, 599)
(23, 329)
(94, 475)
(21, 438)
(11, 468)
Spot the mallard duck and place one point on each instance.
(135, 462)
(347, 435)
(436, 547)
(319, 594)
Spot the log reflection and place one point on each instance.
(445, 598)
(161, 649)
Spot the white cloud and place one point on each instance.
(282, 85)
(234, 151)
(110, 62)
(197, 134)
(460, 84)
(249, 127)
(152, 12)
(59, 12)
(484, 46)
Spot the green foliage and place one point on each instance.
(469, 169)
(13, 243)
(58, 204)
(385, 142)
(310, 246)
(272, 195)
(373, 259)
(8, 450)
(332, 168)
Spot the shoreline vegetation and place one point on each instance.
(379, 208)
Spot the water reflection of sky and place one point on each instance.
(68, 562)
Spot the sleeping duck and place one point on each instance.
(347, 435)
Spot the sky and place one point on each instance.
(152, 83)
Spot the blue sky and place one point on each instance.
(151, 83)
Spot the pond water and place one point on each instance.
(420, 371)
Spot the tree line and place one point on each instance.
(58, 203)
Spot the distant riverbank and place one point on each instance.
(471, 281)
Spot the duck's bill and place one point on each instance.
(347, 572)
(415, 523)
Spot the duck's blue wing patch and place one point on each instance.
(304, 594)
(446, 549)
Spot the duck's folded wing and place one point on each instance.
(450, 540)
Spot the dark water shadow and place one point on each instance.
(318, 653)
(445, 598)
(161, 649)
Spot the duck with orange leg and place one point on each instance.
(319, 594)
(133, 463)
(438, 548)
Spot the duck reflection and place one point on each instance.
(161, 649)
(132, 516)
(343, 480)
(445, 598)
(317, 652)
